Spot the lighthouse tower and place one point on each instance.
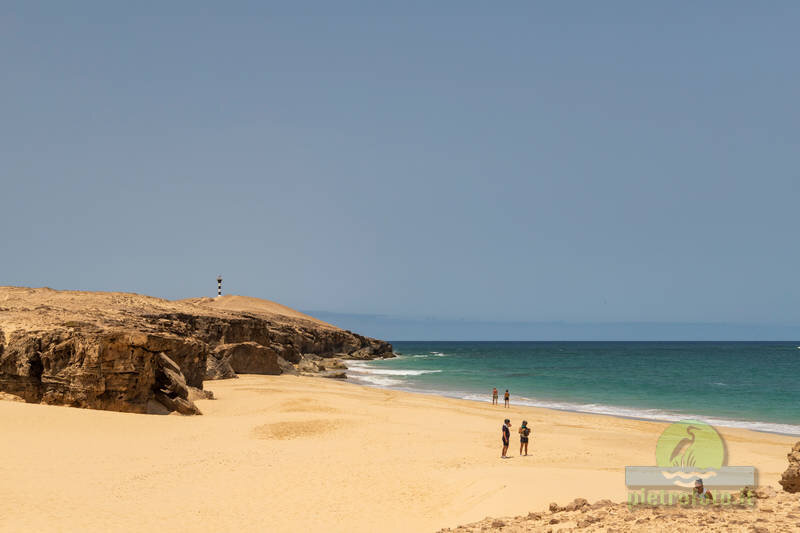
(219, 285)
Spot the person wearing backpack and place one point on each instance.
(524, 433)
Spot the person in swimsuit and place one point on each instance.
(494, 396)
(506, 437)
(524, 432)
(506, 397)
(702, 493)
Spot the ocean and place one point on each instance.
(753, 385)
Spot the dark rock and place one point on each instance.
(113, 370)
(218, 368)
(576, 504)
(790, 480)
(248, 358)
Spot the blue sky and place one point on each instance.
(578, 162)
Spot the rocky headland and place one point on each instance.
(134, 353)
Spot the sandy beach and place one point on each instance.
(289, 453)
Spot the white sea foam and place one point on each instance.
(378, 381)
(360, 371)
(647, 414)
(398, 372)
(440, 354)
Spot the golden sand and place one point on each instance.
(288, 453)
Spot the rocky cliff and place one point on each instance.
(127, 352)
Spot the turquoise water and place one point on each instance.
(736, 384)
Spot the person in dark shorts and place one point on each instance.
(494, 396)
(524, 433)
(506, 397)
(506, 437)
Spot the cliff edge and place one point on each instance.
(134, 353)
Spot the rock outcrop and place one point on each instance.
(248, 358)
(103, 369)
(734, 512)
(790, 481)
(127, 352)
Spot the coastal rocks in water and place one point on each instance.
(365, 353)
(790, 481)
(127, 352)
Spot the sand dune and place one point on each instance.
(289, 453)
(247, 304)
(34, 307)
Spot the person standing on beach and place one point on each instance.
(494, 396)
(524, 432)
(506, 437)
(506, 397)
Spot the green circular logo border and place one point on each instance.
(690, 444)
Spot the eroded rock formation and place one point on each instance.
(127, 352)
(790, 481)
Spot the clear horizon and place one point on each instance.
(439, 164)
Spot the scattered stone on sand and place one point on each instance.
(773, 511)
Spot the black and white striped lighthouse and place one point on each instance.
(219, 285)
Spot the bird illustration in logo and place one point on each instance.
(683, 454)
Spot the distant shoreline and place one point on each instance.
(581, 377)
(442, 394)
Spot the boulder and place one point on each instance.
(333, 364)
(790, 481)
(287, 367)
(310, 365)
(249, 358)
(368, 352)
(219, 368)
(576, 504)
